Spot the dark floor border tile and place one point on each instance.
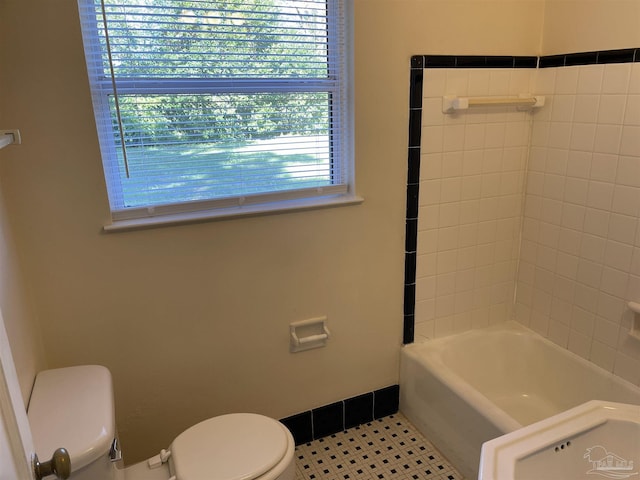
(386, 401)
(300, 426)
(336, 417)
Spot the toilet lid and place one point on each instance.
(239, 446)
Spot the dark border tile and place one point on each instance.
(415, 127)
(417, 61)
(586, 58)
(300, 427)
(411, 236)
(386, 401)
(616, 56)
(625, 55)
(551, 61)
(413, 171)
(410, 264)
(410, 299)
(408, 328)
(500, 62)
(439, 61)
(525, 62)
(328, 420)
(413, 191)
(471, 61)
(358, 410)
(415, 89)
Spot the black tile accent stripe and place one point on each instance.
(473, 61)
(358, 410)
(418, 65)
(336, 417)
(626, 55)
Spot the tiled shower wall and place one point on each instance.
(546, 201)
(472, 179)
(580, 257)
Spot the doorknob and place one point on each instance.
(59, 465)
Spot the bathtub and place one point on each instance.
(463, 390)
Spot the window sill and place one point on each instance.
(231, 212)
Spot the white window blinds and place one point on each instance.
(205, 104)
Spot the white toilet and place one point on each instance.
(74, 408)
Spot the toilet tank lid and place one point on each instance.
(73, 408)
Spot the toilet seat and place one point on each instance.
(239, 446)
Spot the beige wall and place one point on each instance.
(16, 310)
(590, 25)
(193, 320)
(16, 305)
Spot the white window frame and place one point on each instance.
(271, 202)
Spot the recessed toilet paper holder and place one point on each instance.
(308, 334)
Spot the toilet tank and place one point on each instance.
(73, 408)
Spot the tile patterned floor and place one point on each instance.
(388, 448)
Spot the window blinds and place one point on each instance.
(203, 104)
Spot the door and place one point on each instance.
(16, 444)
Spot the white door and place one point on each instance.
(16, 444)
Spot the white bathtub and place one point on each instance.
(463, 390)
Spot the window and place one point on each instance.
(204, 105)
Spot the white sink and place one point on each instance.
(596, 440)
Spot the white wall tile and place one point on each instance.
(593, 248)
(612, 109)
(559, 333)
(632, 110)
(575, 190)
(499, 80)
(583, 136)
(604, 167)
(589, 273)
(590, 79)
(630, 143)
(563, 106)
(616, 78)
(586, 108)
(434, 84)
(628, 171)
(626, 200)
(600, 195)
(579, 344)
(457, 82)
(614, 282)
(578, 259)
(579, 164)
(607, 139)
(560, 135)
(622, 228)
(545, 79)
(634, 83)
(566, 81)
(596, 222)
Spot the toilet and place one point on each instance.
(74, 408)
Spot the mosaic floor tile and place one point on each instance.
(388, 448)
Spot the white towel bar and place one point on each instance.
(451, 104)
